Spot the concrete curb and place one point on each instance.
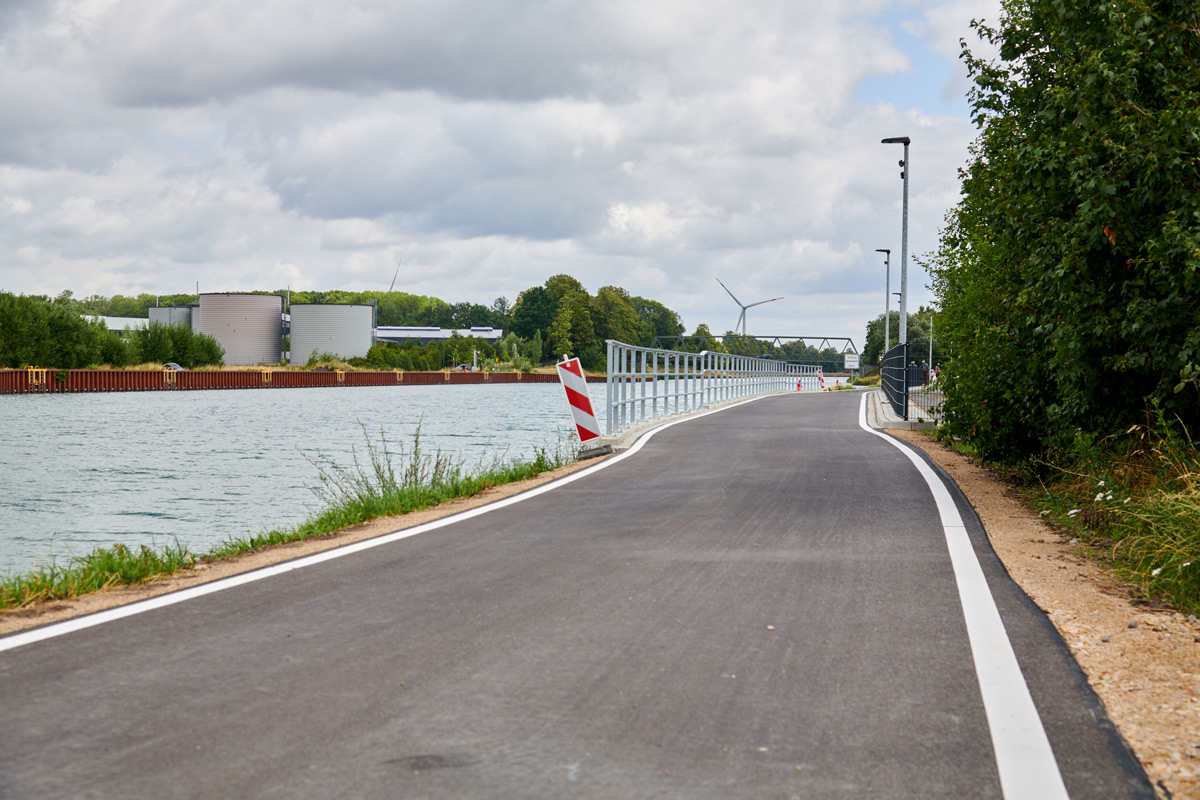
(880, 415)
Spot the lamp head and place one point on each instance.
(896, 140)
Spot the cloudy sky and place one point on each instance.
(483, 145)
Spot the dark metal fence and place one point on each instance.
(894, 379)
(924, 393)
(912, 389)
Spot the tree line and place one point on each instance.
(393, 308)
(920, 330)
(559, 317)
(560, 314)
(546, 321)
(45, 332)
(1069, 274)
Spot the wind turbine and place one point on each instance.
(397, 275)
(742, 319)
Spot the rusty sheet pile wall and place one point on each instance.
(37, 381)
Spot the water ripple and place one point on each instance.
(78, 471)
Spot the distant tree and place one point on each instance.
(562, 286)
(159, 343)
(436, 314)
(533, 349)
(509, 348)
(461, 349)
(471, 315)
(799, 352)
(560, 333)
(918, 336)
(35, 331)
(152, 343)
(614, 315)
(739, 345)
(534, 311)
(501, 313)
(655, 319)
(702, 340)
(398, 308)
(583, 331)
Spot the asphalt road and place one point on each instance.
(758, 603)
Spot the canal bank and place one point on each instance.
(36, 380)
(87, 470)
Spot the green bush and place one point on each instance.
(37, 331)
(1069, 272)
(158, 343)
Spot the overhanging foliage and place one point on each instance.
(1069, 274)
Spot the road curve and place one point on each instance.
(760, 602)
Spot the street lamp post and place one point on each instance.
(931, 341)
(904, 140)
(887, 300)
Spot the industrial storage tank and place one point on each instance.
(248, 326)
(343, 329)
(172, 315)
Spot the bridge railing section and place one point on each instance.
(646, 383)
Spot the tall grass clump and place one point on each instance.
(382, 482)
(100, 569)
(386, 480)
(1135, 499)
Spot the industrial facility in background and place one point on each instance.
(248, 326)
(251, 327)
(346, 331)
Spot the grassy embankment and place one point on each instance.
(868, 379)
(351, 495)
(1133, 502)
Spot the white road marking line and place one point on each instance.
(51, 631)
(1027, 767)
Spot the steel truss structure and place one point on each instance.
(826, 342)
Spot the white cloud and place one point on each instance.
(484, 145)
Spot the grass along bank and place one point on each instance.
(378, 483)
(1133, 502)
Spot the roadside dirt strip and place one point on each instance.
(1144, 663)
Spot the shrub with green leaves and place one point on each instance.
(1069, 273)
(161, 343)
(38, 331)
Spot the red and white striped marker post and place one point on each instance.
(571, 375)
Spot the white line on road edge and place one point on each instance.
(1027, 767)
(16, 640)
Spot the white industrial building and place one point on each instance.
(248, 326)
(342, 329)
(251, 327)
(174, 315)
(425, 335)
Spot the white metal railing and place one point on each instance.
(646, 383)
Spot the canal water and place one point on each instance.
(80, 471)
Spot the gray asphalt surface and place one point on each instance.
(757, 604)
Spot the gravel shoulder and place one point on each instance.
(1143, 662)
